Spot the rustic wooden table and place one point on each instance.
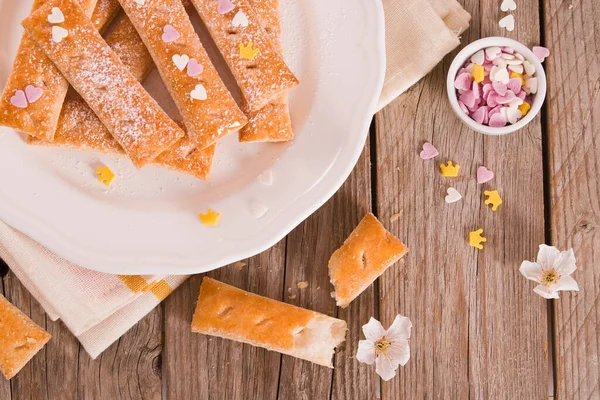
(479, 330)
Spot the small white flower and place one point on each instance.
(552, 271)
(387, 349)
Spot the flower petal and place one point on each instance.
(373, 330)
(546, 256)
(567, 283)
(399, 352)
(366, 352)
(565, 263)
(400, 329)
(546, 292)
(385, 368)
(531, 270)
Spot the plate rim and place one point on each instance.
(50, 237)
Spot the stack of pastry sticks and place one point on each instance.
(108, 111)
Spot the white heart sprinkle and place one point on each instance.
(507, 22)
(258, 209)
(453, 196)
(501, 75)
(514, 103)
(529, 68)
(478, 58)
(531, 85)
(266, 178)
(492, 52)
(513, 114)
(181, 61)
(140, 2)
(508, 5)
(517, 68)
(240, 19)
(516, 61)
(56, 17)
(199, 93)
(59, 33)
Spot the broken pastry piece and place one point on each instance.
(80, 129)
(231, 313)
(131, 115)
(363, 257)
(20, 339)
(252, 56)
(33, 96)
(207, 108)
(272, 122)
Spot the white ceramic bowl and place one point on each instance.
(473, 48)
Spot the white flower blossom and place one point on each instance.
(552, 270)
(387, 349)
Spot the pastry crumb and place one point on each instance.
(292, 296)
(395, 217)
(239, 265)
(302, 285)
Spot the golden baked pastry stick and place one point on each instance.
(231, 313)
(20, 339)
(272, 122)
(207, 108)
(80, 129)
(365, 255)
(131, 115)
(252, 56)
(33, 96)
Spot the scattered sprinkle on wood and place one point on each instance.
(292, 296)
(239, 265)
(302, 285)
(394, 217)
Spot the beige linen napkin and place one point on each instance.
(99, 308)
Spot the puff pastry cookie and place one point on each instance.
(134, 119)
(272, 122)
(232, 313)
(252, 56)
(208, 110)
(33, 96)
(365, 255)
(20, 339)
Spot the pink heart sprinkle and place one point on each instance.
(33, 93)
(225, 6)
(522, 95)
(499, 87)
(508, 50)
(497, 121)
(540, 52)
(194, 68)
(19, 100)
(484, 175)
(429, 151)
(507, 98)
(476, 90)
(494, 110)
(468, 99)
(463, 81)
(463, 107)
(487, 88)
(481, 115)
(488, 65)
(492, 99)
(514, 84)
(170, 34)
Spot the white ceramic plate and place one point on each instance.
(147, 222)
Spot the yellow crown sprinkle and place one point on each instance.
(105, 175)
(449, 169)
(476, 239)
(247, 52)
(493, 198)
(211, 218)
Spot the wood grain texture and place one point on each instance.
(572, 34)
(214, 367)
(309, 248)
(479, 331)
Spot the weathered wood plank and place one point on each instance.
(309, 247)
(478, 330)
(129, 369)
(4, 384)
(218, 368)
(572, 34)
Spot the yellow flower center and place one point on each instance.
(382, 345)
(550, 277)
